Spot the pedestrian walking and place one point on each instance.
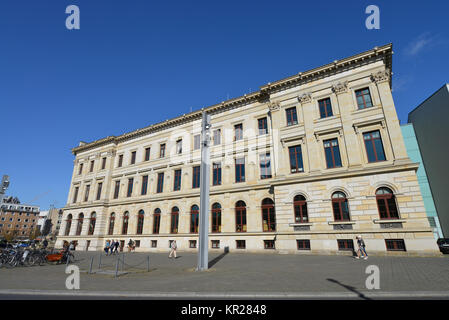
(111, 247)
(173, 248)
(45, 243)
(107, 246)
(130, 245)
(116, 246)
(361, 251)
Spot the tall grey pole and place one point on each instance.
(203, 263)
(3, 187)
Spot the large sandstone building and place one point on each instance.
(303, 165)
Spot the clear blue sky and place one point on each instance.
(137, 62)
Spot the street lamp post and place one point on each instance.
(3, 187)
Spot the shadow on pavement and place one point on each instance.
(361, 295)
(221, 256)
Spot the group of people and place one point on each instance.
(111, 247)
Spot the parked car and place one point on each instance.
(443, 244)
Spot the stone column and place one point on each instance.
(312, 145)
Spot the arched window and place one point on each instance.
(79, 226)
(125, 223)
(140, 219)
(386, 204)
(156, 220)
(340, 206)
(300, 209)
(194, 215)
(174, 220)
(240, 216)
(111, 223)
(268, 215)
(68, 225)
(93, 218)
(216, 217)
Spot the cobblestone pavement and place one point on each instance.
(236, 273)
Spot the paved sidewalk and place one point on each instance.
(266, 275)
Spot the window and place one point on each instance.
(177, 180)
(75, 195)
(216, 217)
(345, 244)
(93, 219)
(363, 98)
(147, 154)
(111, 223)
(240, 244)
(137, 243)
(140, 219)
(194, 215)
(386, 204)
(325, 108)
(156, 220)
(238, 132)
(240, 170)
(262, 124)
(216, 174)
(162, 150)
(179, 146)
(68, 225)
(268, 215)
(79, 226)
(120, 160)
(144, 185)
(340, 206)
(395, 245)
(130, 187)
(265, 166)
(332, 152)
(300, 209)
(100, 185)
(153, 243)
(292, 118)
(240, 216)
(196, 177)
(269, 244)
(196, 142)
(92, 166)
(116, 189)
(192, 244)
(296, 164)
(125, 223)
(303, 244)
(215, 244)
(86, 194)
(80, 169)
(160, 182)
(373, 146)
(133, 157)
(103, 164)
(217, 137)
(174, 220)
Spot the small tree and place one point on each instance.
(34, 233)
(8, 235)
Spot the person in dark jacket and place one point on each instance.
(361, 251)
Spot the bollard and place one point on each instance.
(99, 264)
(116, 267)
(148, 260)
(123, 262)
(91, 263)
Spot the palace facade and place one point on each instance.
(303, 165)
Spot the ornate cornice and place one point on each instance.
(274, 106)
(381, 76)
(305, 98)
(340, 87)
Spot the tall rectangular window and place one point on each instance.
(116, 189)
(120, 160)
(86, 195)
(156, 222)
(395, 244)
(332, 153)
(162, 151)
(373, 146)
(196, 142)
(100, 185)
(292, 118)
(144, 185)
(130, 187)
(216, 174)
(177, 180)
(262, 124)
(265, 166)
(92, 166)
(75, 194)
(196, 177)
(179, 146)
(238, 132)
(240, 170)
(363, 98)
(325, 108)
(160, 182)
(80, 168)
(217, 137)
(296, 164)
(133, 157)
(103, 164)
(147, 154)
